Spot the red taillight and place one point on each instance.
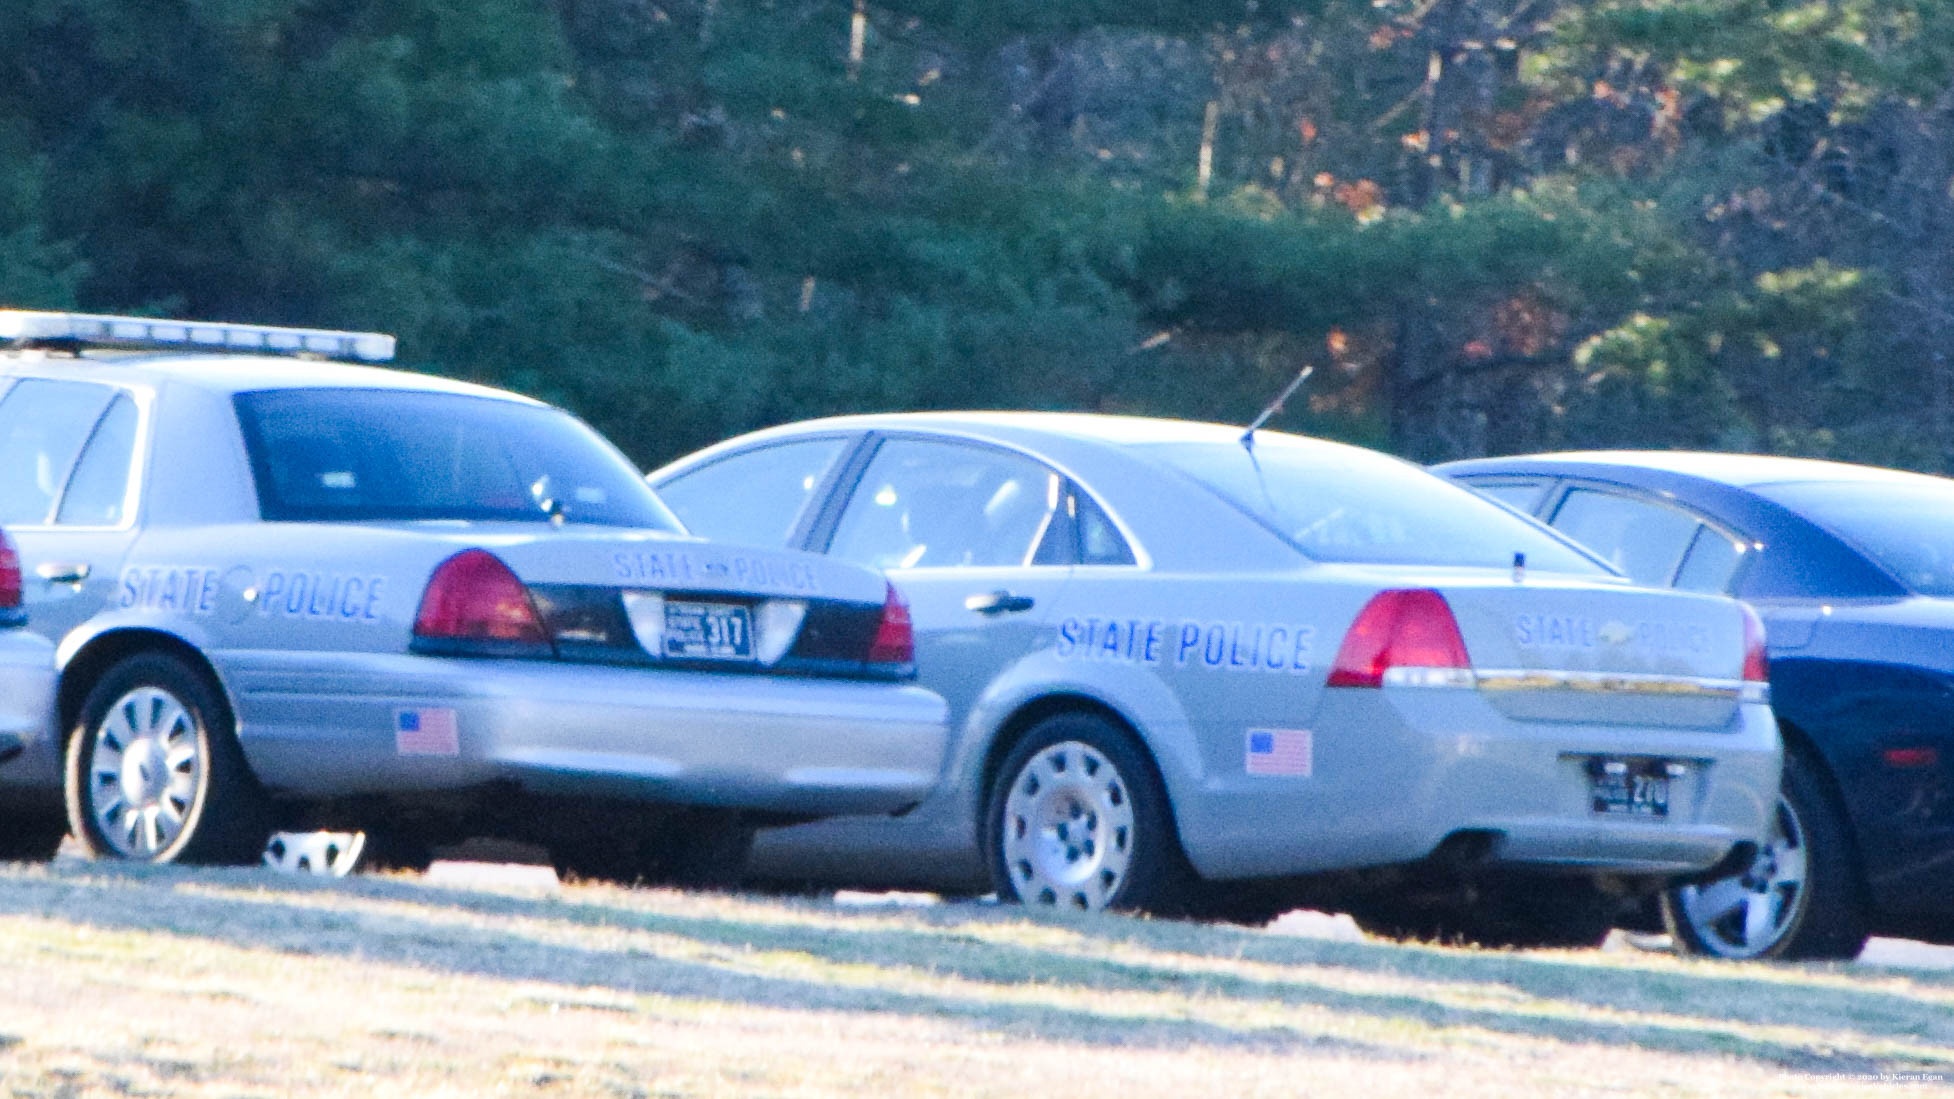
(473, 596)
(1757, 666)
(895, 641)
(1408, 628)
(9, 574)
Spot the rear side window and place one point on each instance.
(1642, 538)
(98, 491)
(926, 504)
(329, 455)
(754, 497)
(43, 426)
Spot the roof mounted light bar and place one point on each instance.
(100, 330)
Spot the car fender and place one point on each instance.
(1136, 696)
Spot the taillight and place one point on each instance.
(9, 574)
(473, 597)
(895, 640)
(1757, 665)
(1410, 628)
(1755, 661)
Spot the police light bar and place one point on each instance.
(99, 329)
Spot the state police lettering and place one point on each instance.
(166, 588)
(321, 595)
(196, 590)
(1579, 632)
(669, 568)
(1223, 646)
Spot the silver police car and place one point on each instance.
(1193, 670)
(292, 593)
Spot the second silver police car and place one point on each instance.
(322, 594)
(1191, 671)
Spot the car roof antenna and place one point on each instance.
(1275, 406)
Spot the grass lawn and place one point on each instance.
(148, 981)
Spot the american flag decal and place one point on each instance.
(1279, 752)
(426, 732)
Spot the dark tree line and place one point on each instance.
(1492, 225)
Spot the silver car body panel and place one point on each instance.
(307, 627)
(26, 708)
(1220, 629)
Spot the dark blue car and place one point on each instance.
(1852, 569)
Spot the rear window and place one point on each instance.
(328, 455)
(1907, 528)
(1347, 504)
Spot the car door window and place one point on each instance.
(754, 497)
(43, 424)
(100, 485)
(924, 504)
(1642, 538)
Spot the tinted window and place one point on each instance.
(931, 505)
(1908, 528)
(43, 425)
(1640, 537)
(1338, 503)
(100, 484)
(353, 454)
(753, 497)
(1099, 540)
(1711, 562)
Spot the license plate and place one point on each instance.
(1629, 787)
(708, 631)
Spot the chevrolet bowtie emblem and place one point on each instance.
(1616, 633)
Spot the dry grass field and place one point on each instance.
(169, 982)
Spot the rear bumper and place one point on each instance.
(1397, 772)
(331, 725)
(30, 756)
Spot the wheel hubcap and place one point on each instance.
(1068, 828)
(145, 773)
(325, 854)
(1746, 914)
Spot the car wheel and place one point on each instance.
(155, 774)
(1798, 899)
(31, 839)
(320, 854)
(1079, 819)
(690, 849)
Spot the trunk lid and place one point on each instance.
(1555, 648)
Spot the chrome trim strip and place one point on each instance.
(1622, 683)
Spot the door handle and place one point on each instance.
(998, 602)
(63, 572)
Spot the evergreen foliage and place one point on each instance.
(1492, 225)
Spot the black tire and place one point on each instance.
(1107, 839)
(31, 839)
(203, 807)
(390, 849)
(690, 849)
(1821, 918)
(1541, 914)
(1243, 903)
